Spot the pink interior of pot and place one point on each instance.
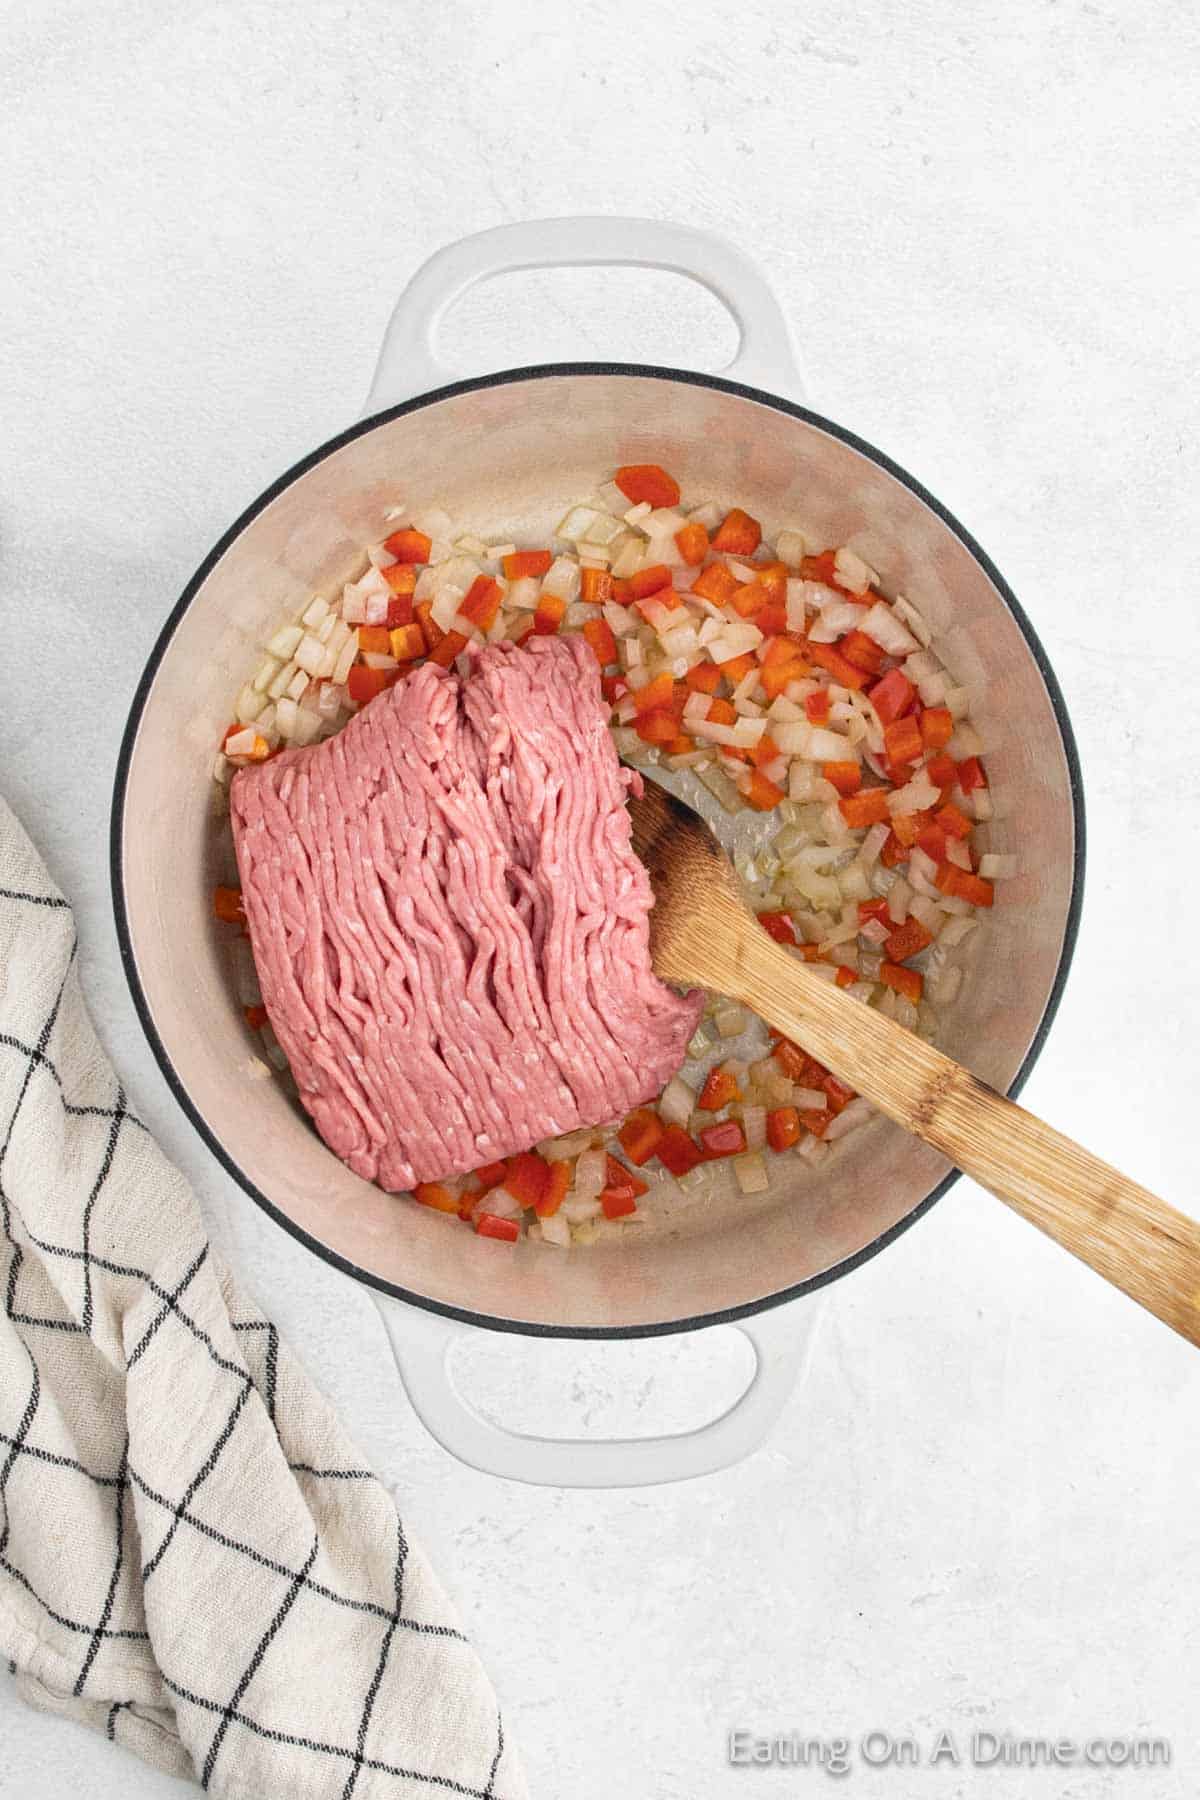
(511, 457)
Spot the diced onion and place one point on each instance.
(678, 1102)
(750, 1172)
(754, 1124)
(888, 631)
(857, 1112)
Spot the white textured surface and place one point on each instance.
(981, 221)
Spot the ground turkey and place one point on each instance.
(449, 924)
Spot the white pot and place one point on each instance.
(507, 453)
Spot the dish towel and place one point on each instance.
(192, 1558)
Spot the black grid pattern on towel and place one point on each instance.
(230, 1710)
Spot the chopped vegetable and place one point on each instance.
(676, 1151)
(641, 1135)
(521, 563)
(738, 534)
(783, 1128)
(488, 1225)
(726, 1138)
(433, 1193)
(719, 1090)
(408, 546)
(646, 483)
(691, 541)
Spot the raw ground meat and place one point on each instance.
(449, 923)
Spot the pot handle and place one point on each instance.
(421, 1343)
(408, 362)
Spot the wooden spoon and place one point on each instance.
(703, 933)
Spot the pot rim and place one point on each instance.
(502, 377)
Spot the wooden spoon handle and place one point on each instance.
(1128, 1235)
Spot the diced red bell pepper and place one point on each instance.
(433, 1193)
(869, 807)
(837, 1093)
(363, 684)
(676, 1151)
(748, 600)
(447, 649)
(845, 673)
(641, 482)
(932, 840)
(703, 678)
(942, 770)
(595, 586)
(489, 1226)
(846, 777)
(373, 640)
(907, 940)
(738, 534)
(618, 1180)
(971, 775)
(816, 707)
(738, 667)
(655, 695)
(407, 642)
(953, 822)
(765, 751)
(716, 583)
(892, 696)
(719, 1089)
(650, 581)
(526, 1177)
(908, 982)
(783, 1127)
(551, 609)
(845, 977)
(656, 727)
(725, 1138)
(401, 578)
(599, 635)
(902, 740)
(780, 926)
(893, 853)
(431, 631)
(779, 650)
(874, 909)
(817, 1122)
(520, 563)
(762, 794)
(796, 1064)
(482, 602)
(908, 826)
(491, 1175)
(615, 1206)
(640, 1135)
(962, 885)
(779, 676)
(774, 577)
(721, 711)
(691, 540)
(821, 568)
(255, 1017)
(613, 687)
(937, 727)
(408, 546)
(558, 1180)
(400, 612)
(862, 651)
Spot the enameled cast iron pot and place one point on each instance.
(509, 451)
